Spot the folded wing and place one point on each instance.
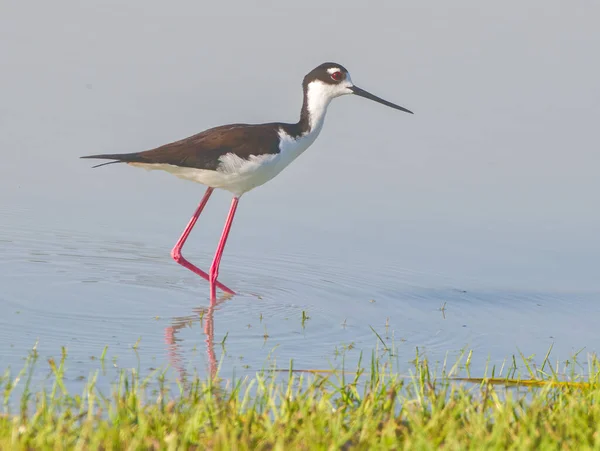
(204, 150)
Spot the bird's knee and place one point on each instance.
(176, 255)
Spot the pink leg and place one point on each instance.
(176, 252)
(214, 268)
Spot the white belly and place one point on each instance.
(238, 175)
(247, 176)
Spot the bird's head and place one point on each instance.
(331, 80)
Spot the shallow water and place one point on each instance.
(470, 225)
(87, 292)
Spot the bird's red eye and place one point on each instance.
(337, 76)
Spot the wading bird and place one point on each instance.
(240, 157)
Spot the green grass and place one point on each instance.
(373, 407)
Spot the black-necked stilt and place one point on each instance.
(240, 157)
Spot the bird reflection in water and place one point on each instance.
(205, 316)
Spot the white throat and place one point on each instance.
(318, 97)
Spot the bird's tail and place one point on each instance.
(117, 157)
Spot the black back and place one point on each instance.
(203, 150)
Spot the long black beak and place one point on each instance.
(367, 95)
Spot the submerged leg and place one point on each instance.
(176, 252)
(214, 268)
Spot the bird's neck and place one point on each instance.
(314, 108)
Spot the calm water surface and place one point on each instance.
(86, 291)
